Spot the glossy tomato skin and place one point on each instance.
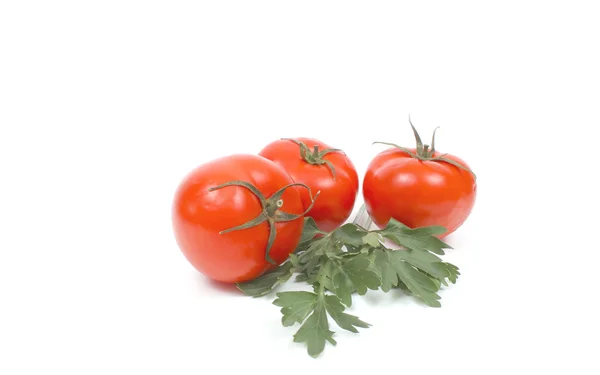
(336, 200)
(418, 193)
(198, 215)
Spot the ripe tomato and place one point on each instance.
(419, 187)
(323, 169)
(235, 216)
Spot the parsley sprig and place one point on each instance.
(353, 260)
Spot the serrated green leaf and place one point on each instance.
(387, 273)
(354, 260)
(311, 269)
(359, 272)
(415, 239)
(396, 270)
(372, 239)
(349, 234)
(343, 287)
(315, 331)
(432, 230)
(326, 275)
(453, 271)
(419, 284)
(311, 259)
(295, 306)
(310, 230)
(437, 282)
(345, 321)
(302, 247)
(425, 261)
(264, 284)
(353, 274)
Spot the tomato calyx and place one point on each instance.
(315, 156)
(271, 212)
(425, 153)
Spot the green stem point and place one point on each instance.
(315, 157)
(424, 153)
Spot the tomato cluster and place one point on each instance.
(238, 216)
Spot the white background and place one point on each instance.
(106, 105)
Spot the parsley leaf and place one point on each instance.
(384, 264)
(349, 234)
(295, 306)
(335, 308)
(263, 284)
(372, 239)
(312, 259)
(354, 274)
(353, 260)
(315, 331)
(425, 261)
(416, 239)
(310, 230)
(410, 269)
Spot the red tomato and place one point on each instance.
(419, 187)
(257, 198)
(323, 169)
